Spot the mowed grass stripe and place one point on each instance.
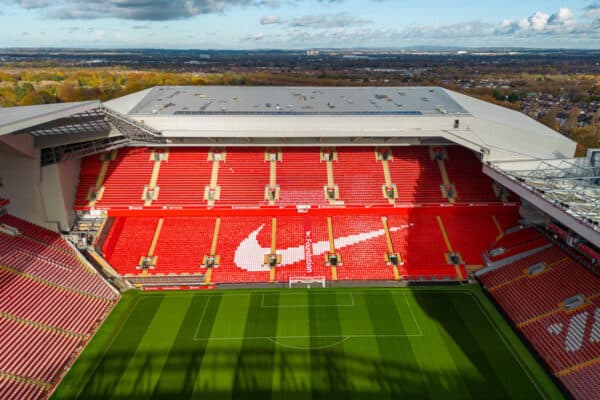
(327, 363)
(114, 362)
(217, 372)
(361, 353)
(516, 383)
(255, 363)
(472, 364)
(292, 375)
(444, 372)
(399, 372)
(146, 364)
(183, 361)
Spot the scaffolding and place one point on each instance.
(572, 184)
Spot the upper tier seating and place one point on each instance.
(243, 177)
(300, 175)
(464, 171)
(125, 179)
(359, 176)
(416, 175)
(50, 305)
(183, 177)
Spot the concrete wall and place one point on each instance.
(58, 186)
(20, 176)
(43, 196)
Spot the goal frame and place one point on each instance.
(307, 280)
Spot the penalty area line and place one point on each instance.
(196, 339)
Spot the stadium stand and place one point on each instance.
(364, 187)
(583, 383)
(301, 176)
(464, 172)
(417, 176)
(243, 177)
(242, 243)
(183, 176)
(128, 241)
(50, 306)
(555, 303)
(123, 181)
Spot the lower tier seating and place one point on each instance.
(555, 303)
(243, 242)
(529, 297)
(584, 384)
(11, 389)
(50, 305)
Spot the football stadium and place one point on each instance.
(296, 242)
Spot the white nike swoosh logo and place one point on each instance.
(250, 254)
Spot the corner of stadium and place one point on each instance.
(298, 242)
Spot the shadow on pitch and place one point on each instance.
(225, 374)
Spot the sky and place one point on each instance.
(299, 24)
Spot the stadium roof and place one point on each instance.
(15, 119)
(228, 100)
(288, 115)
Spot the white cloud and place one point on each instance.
(270, 20)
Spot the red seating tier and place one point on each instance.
(243, 177)
(125, 179)
(242, 266)
(464, 171)
(568, 341)
(133, 242)
(469, 235)
(28, 299)
(16, 390)
(32, 352)
(416, 176)
(301, 177)
(182, 244)
(584, 384)
(183, 177)
(527, 298)
(244, 241)
(36, 232)
(50, 303)
(362, 187)
(565, 339)
(365, 259)
(517, 268)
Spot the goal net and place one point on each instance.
(307, 281)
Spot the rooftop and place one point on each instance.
(267, 100)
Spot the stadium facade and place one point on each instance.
(209, 186)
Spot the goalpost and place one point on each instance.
(307, 281)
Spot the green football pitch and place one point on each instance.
(421, 343)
